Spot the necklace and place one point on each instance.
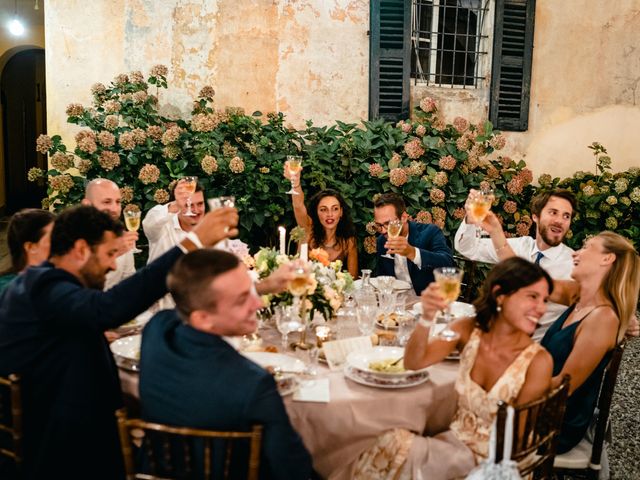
(330, 246)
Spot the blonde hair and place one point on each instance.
(622, 283)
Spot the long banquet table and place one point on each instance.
(335, 433)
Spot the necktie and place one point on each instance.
(539, 255)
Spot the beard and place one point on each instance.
(92, 274)
(544, 233)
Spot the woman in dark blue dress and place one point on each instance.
(603, 298)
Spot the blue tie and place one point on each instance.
(538, 257)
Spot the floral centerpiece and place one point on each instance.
(327, 282)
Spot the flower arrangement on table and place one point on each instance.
(326, 286)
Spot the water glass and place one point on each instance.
(367, 314)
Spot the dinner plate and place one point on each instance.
(364, 378)
(398, 285)
(126, 352)
(458, 309)
(360, 361)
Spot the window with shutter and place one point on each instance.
(390, 59)
(511, 72)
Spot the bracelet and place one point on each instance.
(506, 244)
(194, 239)
(425, 323)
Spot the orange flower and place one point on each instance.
(320, 255)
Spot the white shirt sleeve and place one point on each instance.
(155, 220)
(417, 260)
(470, 246)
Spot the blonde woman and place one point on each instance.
(602, 299)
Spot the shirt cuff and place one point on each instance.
(417, 260)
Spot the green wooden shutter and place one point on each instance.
(390, 59)
(511, 72)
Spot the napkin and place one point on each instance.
(317, 391)
(336, 351)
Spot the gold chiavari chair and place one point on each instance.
(11, 421)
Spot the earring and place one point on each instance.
(499, 308)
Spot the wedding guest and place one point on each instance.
(498, 362)
(106, 197)
(327, 223)
(190, 376)
(603, 298)
(417, 250)
(52, 320)
(28, 239)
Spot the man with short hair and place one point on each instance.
(190, 376)
(106, 197)
(52, 320)
(417, 250)
(552, 212)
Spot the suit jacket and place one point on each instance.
(434, 252)
(52, 334)
(195, 379)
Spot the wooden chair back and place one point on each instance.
(536, 428)
(11, 420)
(166, 452)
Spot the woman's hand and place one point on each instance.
(432, 301)
(292, 176)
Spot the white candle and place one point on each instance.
(283, 234)
(304, 252)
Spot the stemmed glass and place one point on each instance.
(449, 280)
(287, 321)
(480, 204)
(190, 186)
(298, 288)
(293, 165)
(393, 230)
(132, 221)
(219, 202)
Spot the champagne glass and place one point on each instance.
(393, 230)
(449, 280)
(132, 222)
(219, 202)
(287, 321)
(298, 288)
(293, 165)
(480, 204)
(190, 186)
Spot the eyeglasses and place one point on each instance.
(383, 227)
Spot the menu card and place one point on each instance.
(336, 351)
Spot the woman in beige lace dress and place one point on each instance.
(499, 361)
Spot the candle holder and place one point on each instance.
(302, 344)
(323, 334)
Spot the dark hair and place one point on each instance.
(390, 198)
(172, 192)
(345, 228)
(541, 199)
(82, 222)
(509, 276)
(25, 226)
(191, 276)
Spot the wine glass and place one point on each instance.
(293, 165)
(219, 202)
(449, 280)
(393, 230)
(480, 204)
(287, 321)
(190, 186)
(367, 311)
(132, 222)
(298, 286)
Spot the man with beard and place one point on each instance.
(52, 320)
(106, 197)
(552, 212)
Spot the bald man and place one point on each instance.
(105, 196)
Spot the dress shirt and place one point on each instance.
(402, 268)
(557, 261)
(125, 267)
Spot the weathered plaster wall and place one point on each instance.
(306, 58)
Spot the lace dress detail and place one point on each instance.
(477, 407)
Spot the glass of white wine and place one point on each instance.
(298, 286)
(132, 221)
(480, 204)
(219, 202)
(190, 184)
(393, 230)
(449, 280)
(293, 166)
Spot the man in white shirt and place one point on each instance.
(552, 212)
(105, 195)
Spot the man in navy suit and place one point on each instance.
(417, 250)
(190, 376)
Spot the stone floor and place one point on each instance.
(625, 412)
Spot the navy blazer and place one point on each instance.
(434, 252)
(52, 334)
(196, 379)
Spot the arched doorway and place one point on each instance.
(23, 96)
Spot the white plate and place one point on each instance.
(371, 381)
(127, 352)
(458, 309)
(359, 361)
(269, 359)
(398, 285)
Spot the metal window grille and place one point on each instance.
(447, 42)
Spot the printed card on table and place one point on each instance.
(336, 351)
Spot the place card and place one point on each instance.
(336, 351)
(317, 391)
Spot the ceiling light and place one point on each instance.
(16, 27)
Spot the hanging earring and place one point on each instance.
(499, 308)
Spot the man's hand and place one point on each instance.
(181, 194)
(217, 225)
(400, 245)
(127, 242)
(278, 281)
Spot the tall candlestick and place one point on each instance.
(283, 234)
(304, 252)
